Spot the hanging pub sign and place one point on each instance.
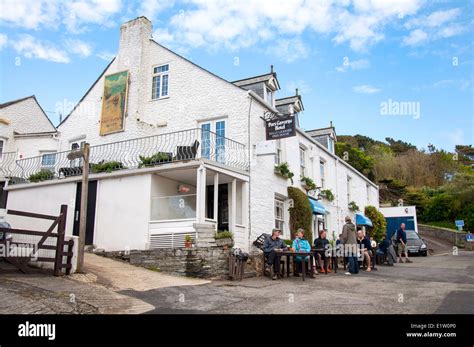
(279, 127)
(114, 103)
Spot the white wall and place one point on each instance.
(123, 213)
(45, 199)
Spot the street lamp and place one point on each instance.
(83, 153)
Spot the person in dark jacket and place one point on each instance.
(349, 239)
(322, 244)
(401, 241)
(272, 245)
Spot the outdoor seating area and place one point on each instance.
(319, 258)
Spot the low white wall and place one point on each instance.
(44, 200)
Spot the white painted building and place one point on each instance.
(215, 165)
(25, 131)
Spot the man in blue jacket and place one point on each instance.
(401, 241)
(271, 245)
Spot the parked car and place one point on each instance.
(415, 244)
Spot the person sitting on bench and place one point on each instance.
(272, 245)
(321, 244)
(301, 245)
(365, 248)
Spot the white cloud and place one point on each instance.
(288, 50)
(81, 48)
(107, 56)
(353, 65)
(29, 47)
(435, 19)
(3, 40)
(302, 86)
(151, 8)
(78, 14)
(415, 37)
(365, 89)
(228, 23)
(442, 83)
(437, 25)
(29, 14)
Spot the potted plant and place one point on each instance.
(188, 241)
(283, 170)
(353, 206)
(307, 183)
(327, 194)
(224, 239)
(42, 175)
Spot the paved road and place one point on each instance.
(435, 284)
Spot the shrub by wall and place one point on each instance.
(301, 215)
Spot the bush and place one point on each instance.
(379, 224)
(42, 175)
(301, 214)
(224, 235)
(156, 158)
(107, 166)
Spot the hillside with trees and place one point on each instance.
(439, 183)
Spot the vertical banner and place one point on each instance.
(114, 103)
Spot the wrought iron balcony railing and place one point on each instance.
(137, 153)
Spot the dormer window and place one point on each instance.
(269, 95)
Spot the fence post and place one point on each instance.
(60, 241)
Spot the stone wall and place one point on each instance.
(443, 233)
(211, 262)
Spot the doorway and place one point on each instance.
(222, 205)
(91, 205)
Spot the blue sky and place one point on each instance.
(348, 58)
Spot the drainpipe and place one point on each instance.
(337, 198)
(249, 151)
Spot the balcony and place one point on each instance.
(151, 151)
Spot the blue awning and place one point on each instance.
(316, 206)
(363, 220)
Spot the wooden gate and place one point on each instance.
(59, 223)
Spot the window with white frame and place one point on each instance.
(302, 161)
(48, 160)
(269, 95)
(160, 84)
(278, 153)
(279, 214)
(322, 173)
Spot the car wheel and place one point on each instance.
(424, 254)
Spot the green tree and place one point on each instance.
(379, 224)
(301, 214)
(355, 157)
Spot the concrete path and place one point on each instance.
(117, 275)
(433, 284)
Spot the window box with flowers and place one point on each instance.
(307, 183)
(283, 170)
(353, 206)
(327, 194)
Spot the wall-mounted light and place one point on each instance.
(183, 189)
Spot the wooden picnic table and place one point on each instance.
(290, 254)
